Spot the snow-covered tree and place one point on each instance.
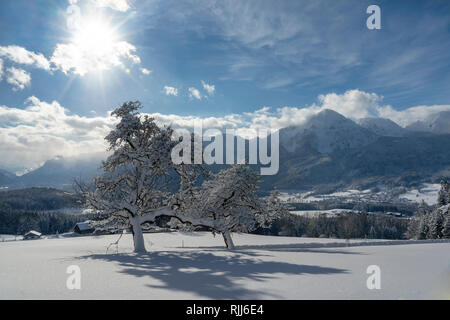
(436, 224)
(136, 173)
(417, 225)
(444, 193)
(446, 229)
(433, 225)
(372, 233)
(423, 229)
(229, 202)
(137, 184)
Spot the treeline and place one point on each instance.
(435, 224)
(37, 199)
(349, 226)
(404, 208)
(20, 221)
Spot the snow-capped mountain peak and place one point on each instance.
(326, 131)
(382, 127)
(437, 123)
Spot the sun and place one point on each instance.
(95, 36)
(94, 46)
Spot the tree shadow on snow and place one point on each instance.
(206, 274)
(339, 249)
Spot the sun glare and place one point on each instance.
(95, 36)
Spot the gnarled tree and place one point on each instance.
(138, 182)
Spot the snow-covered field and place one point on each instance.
(9, 237)
(316, 213)
(428, 193)
(197, 266)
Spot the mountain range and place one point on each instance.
(326, 153)
(58, 173)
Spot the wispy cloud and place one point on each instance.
(285, 36)
(170, 91)
(194, 93)
(209, 88)
(145, 71)
(119, 5)
(321, 44)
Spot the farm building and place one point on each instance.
(83, 227)
(31, 235)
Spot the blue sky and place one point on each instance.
(248, 54)
(255, 53)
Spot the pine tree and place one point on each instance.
(413, 228)
(446, 229)
(423, 228)
(445, 220)
(436, 224)
(417, 226)
(444, 194)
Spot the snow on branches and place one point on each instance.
(434, 224)
(139, 177)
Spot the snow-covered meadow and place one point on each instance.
(427, 192)
(198, 266)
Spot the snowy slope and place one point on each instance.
(428, 193)
(6, 178)
(196, 266)
(327, 131)
(382, 127)
(316, 213)
(438, 123)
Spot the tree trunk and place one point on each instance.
(138, 236)
(228, 240)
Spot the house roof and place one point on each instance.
(84, 225)
(34, 233)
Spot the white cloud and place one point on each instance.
(81, 60)
(19, 78)
(413, 114)
(119, 5)
(170, 91)
(43, 130)
(194, 93)
(21, 55)
(95, 45)
(145, 71)
(210, 88)
(354, 104)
